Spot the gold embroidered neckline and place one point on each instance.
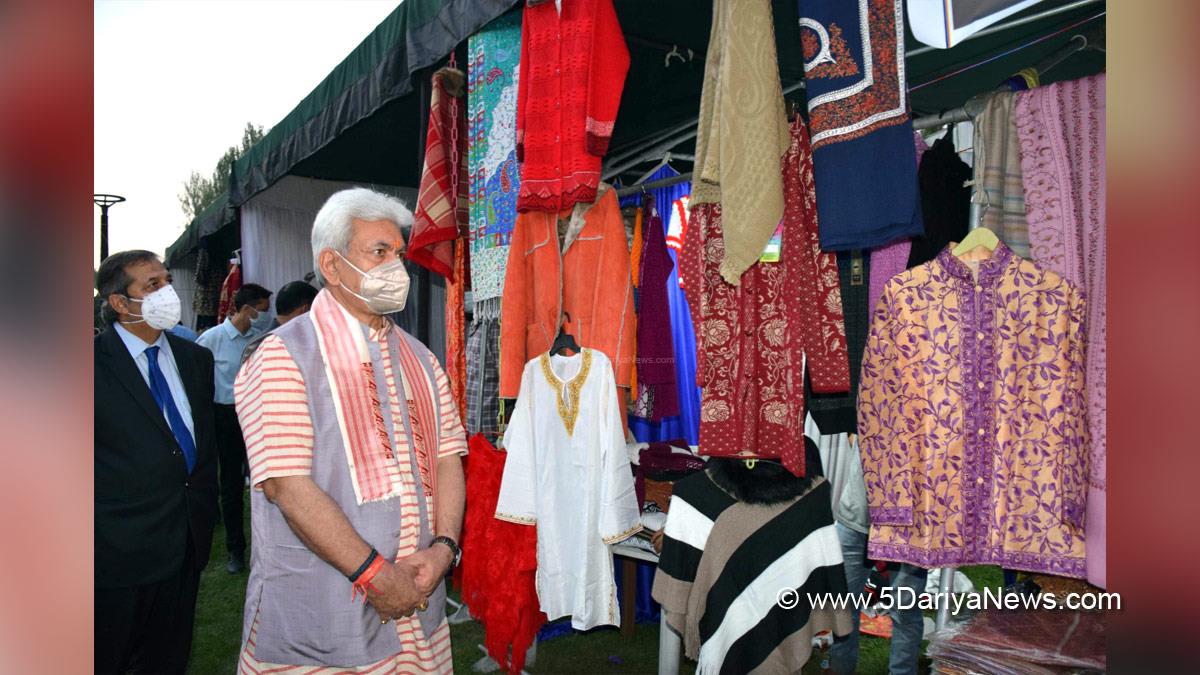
(568, 411)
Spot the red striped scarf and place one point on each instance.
(360, 415)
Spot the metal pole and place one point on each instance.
(104, 201)
(1010, 24)
(945, 585)
(667, 145)
(655, 184)
(103, 232)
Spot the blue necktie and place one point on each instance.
(162, 396)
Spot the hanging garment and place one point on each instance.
(677, 223)
(687, 425)
(208, 289)
(1062, 130)
(945, 201)
(494, 179)
(573, 66)
(655, 342)
(752, 339)
(229, 288)
(891, 259)
(483, 368)
(568, 472)
(435, 220)
(635, 249)
(725, 561)
(999, 187)
(456, 327)
(585, 276)
(836, 413)
(861, 131)
(499, 564)
(972, 417)
(886, 262)
(743, 131)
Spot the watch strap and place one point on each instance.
(451, 544)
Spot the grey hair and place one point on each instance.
(333, 227)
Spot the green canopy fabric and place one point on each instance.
(212, 219)
(379, 71)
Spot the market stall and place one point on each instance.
(682, 276)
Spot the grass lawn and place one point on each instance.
(219, 632)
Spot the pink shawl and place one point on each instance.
(1061, 130)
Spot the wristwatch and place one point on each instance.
(452, 545)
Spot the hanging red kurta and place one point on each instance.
(752, 339)
(573, 68)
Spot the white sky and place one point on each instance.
(176, 82)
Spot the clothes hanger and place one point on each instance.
(980, 236)
(665, 161)
(564, 340)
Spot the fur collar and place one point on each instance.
(768, 482)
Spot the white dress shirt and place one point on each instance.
(166, 363)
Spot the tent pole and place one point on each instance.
(974, 105)
(1010, 24)
(656, 152)
(655, 184)
(637, 146)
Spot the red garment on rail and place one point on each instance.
(229, 287)
(752, 339)
(573, 68)
(499, 563)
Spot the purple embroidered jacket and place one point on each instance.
(972, 417)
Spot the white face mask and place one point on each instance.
(262, 322)
(384, 288)
(160, 309)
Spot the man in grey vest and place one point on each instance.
(354, 445)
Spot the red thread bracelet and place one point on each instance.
(363, 583)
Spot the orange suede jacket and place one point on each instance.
(587, 280)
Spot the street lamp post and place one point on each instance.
(105, 201)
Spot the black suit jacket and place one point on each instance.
(147, 506)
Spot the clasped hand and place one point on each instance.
(399, 589)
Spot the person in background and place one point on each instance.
(227, 340)
(292, 300)
(355, 444)
(853, 525)
(155, 471)
(180, 330)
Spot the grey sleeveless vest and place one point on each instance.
(305, 614)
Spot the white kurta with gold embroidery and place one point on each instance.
(568, 472)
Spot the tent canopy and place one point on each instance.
(378, 72)
(360, 124)
(658, 97)
(363, 123)
(209, 221)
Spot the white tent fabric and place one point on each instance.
(276, 227)
(183, 278)
(945, 23)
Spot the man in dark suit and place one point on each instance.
(155, 471)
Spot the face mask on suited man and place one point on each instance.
(383, 288)
(160, 310)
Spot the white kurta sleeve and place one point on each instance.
(619, 513)
(516, 503)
